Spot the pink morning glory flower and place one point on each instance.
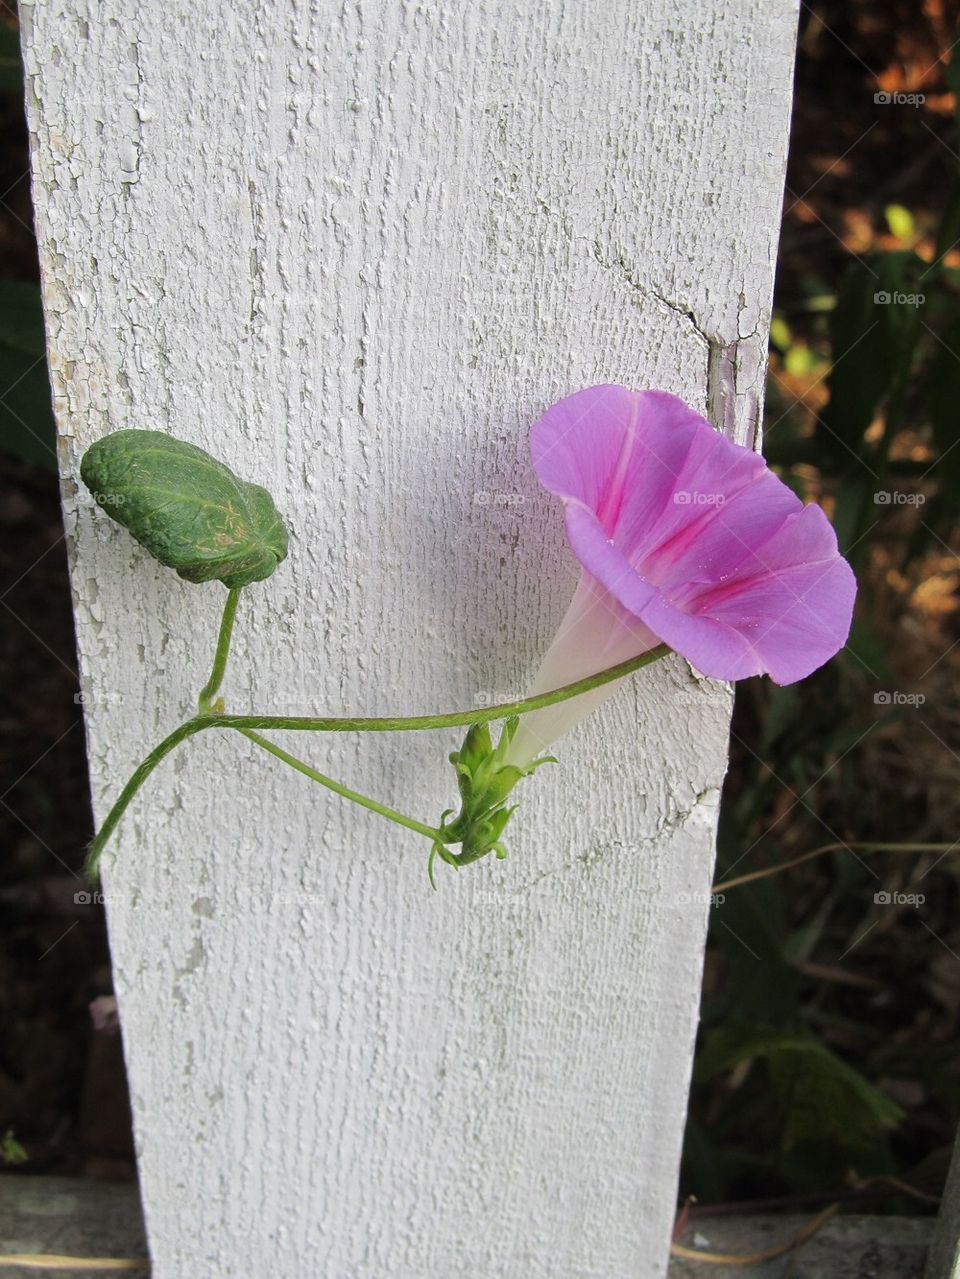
(685, 539)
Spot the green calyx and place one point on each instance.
(484, 779)
(190, 511)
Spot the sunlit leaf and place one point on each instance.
(780, 333)
(900, 221)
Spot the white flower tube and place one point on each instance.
(596, 632)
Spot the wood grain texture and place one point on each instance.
(354, 249)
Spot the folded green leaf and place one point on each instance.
(189, 510)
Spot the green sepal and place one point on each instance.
(477, 745)
(187, 509)
(484, 781)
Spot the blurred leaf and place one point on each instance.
(780, 333)
(21, 317)
(787, 444)
(26, 417)
(802, 361)
(782, 710)
(11, 64)
(190, 511)
(802, 942)
(942, 389)
(702, 1164)
(810, 1166)
(948, 232)
(952, 77)
(853, 502)
(749, 928)
(900, 221)
(822, 303)
(823, 1097)
(864, 650)
(873, 332)
(11, 1151)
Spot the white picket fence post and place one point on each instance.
(354, 250)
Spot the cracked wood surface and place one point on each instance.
(355, 250)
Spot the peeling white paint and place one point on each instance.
(364, 247)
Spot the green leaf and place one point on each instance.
(189, 510)
(823, 1097)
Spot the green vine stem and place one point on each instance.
(449, 719)
(364, 801)
(357, 724)
(212, 687)
(140, 775)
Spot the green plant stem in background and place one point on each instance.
(212, 686)
(866, 846)
(209, 718)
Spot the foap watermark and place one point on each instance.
(896, 698)
(87, 697)
(290, 898)
(484, 498)
(896, 298)
(700, 899)
(898, 899)
(884, 99)
(709, 692)
(497, 696)
(894, 497)
(101, 499)
(691, 497)
(88, 897)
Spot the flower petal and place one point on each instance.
(693, 535)
(606, 446)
